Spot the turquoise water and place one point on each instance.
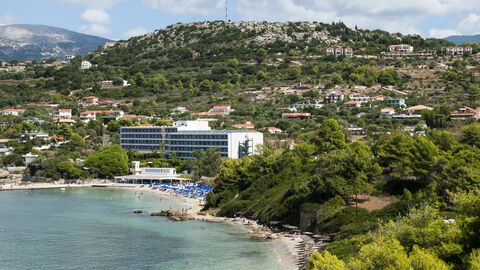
(94, 228)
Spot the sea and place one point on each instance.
(95, 228)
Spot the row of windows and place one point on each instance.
(211, 137)
(141, 147)
(147, 130)
(141, 142)
(191, 149)
(157, 142)
(198, 143)
(159, 136)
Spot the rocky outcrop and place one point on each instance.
(173, 215)
(3, 174)
(138, 211)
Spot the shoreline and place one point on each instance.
(283, 247)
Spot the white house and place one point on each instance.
(387, 111)
(338, 51)
(334, 97)
(15, 112)
(418, 109)
(29, 158)
(110, 45)
(401, 48)
(221, 109)
(85, 65)
(359, 99)
(65, 113)
(273, 130)
(349, 52)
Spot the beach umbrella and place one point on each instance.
(308, 233)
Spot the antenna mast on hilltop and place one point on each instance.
(226, 11)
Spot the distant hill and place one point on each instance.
(28, 42)
(462, 39)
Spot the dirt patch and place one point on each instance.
(372, 202)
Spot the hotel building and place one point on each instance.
(184, 137)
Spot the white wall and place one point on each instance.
(234, 140)
(191, 125)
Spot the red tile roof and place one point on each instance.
(221, 107)
(296, 114)
(351, 102)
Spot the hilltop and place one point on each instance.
(460, 39)
(28, 42)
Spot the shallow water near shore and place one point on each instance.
(95, 228)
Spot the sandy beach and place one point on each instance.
(285, 247)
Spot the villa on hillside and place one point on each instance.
(85, 65)
(64, 113)
(457, 50)
(88, 101)
(387, 111)
(418, 109)
(273, 130)
(87, 116)
(401, 48)
(464, 113)
(395, 103)
(297, 106)
(348, 52)
(378, 98)
(110, 45)
(15, 112)
(105, 84)
(334, 97)
(351, 104)
(359, 99)
(222, 109)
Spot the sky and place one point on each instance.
(122, 19)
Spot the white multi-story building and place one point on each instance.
(65, 113)
(185, 137)
(402, 48)
(349, 52)
(338, 51)
(334, 97)
(457, 50)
